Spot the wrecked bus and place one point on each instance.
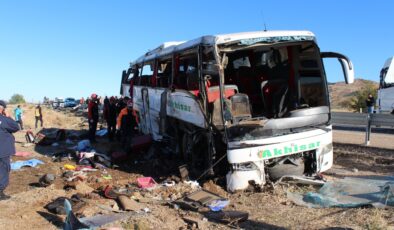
(259, 99)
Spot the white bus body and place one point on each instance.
(259, 99)
(386, 88)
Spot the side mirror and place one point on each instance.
(348, 70)
(346, 64)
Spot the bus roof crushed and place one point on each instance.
(245, 38)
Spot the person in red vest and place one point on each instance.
(93, 117)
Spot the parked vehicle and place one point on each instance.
(386, 88)
(258, 99)
(58, 103)
(70, 102)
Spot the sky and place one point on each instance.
(72, 48)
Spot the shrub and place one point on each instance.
(358, 100)
(17, 99)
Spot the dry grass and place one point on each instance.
(341, 92)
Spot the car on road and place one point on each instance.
(58, 102)
(70, 102)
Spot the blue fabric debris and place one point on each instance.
(101, 132)
(84, 146)
(218, 205)
(29, 163)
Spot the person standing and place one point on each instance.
(370, 103)
(126, 124)
(110, 117)
(122, 102)
(7, 147)
(38, 114)
(18, 112)
(93, 117)
(82, 103)
(106, 101)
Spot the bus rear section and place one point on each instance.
(386, 88)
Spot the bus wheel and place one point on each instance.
(195, 152)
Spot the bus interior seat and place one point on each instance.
(216, 117)
(249, 84)
(192, 83)
(275, 95)
(180, 81)
(214, 92)
(244, 79)
(240, 107)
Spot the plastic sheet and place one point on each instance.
(84, 145)
(350, 192)
(218, 205)
(146, 182)
(101, 132)
(29, 163)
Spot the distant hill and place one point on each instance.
(340, 91)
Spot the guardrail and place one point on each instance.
(363, 119)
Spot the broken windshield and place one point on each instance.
(274, 81)
(252, 41)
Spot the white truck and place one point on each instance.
(386, 88)
(258, 99)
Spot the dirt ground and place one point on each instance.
(268, 209)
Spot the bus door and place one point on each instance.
(146, 125)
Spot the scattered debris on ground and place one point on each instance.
(107, 187)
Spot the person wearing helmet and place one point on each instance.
(93, 117)
(126, 123)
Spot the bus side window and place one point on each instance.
(147, 74)
(164, 73)
(187, 73)
(180, 77)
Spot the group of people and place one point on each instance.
(18, 114)
(118, 114)
(8, 126)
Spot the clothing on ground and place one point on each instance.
(29, 163)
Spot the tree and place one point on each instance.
(17, 99)
(358, 100)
